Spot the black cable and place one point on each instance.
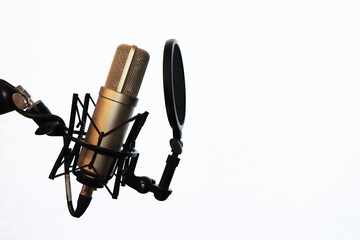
(83, 201)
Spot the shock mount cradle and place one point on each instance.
(124, 161)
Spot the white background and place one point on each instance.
(272, 132)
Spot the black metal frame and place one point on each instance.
(125, 160)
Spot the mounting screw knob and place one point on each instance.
(176, 146)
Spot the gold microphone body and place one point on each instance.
(115, 105)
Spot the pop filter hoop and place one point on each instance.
(174, 86)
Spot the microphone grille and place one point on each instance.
(127, 70)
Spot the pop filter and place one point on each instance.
(174, 86)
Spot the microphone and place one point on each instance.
(108, 127)
(102, 152)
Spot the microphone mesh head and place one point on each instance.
(127, 70)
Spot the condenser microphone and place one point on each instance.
(115, 105)
(102, 152)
